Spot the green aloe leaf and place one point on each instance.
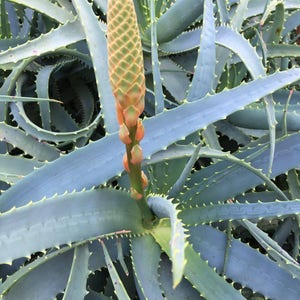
(197, 271)
(164, 208)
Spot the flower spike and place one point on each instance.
(126, 73)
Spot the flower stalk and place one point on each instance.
(126, 72)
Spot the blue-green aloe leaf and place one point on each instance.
(65, 219)
(27, 143)
(6, 99)
(96, 259)
(224, 180)
(223, 11)
(62, 36)
(263, 274)
(180, 15)
(20, 116)
(14, 168)
(178, 185)
(42, 90)
(76, 285)
(102, 160)
(254, 116)
(291, 22)
(55, 271)
(239, 15)
(184, 290)
(236, 43)
(95, 37)
(237, 211)
(49, 9)
(145, 259)
(206, 152)
(157, 81)
(283, 259)
(202, 85)
(120, 290)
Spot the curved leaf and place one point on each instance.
(202, 85)
(27, 143)
(55, 271)
(179, 16)
(23, 121)
(95, 37)
(49, 9)
(62, 36)
(165, 208)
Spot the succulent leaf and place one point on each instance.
(197, 271)
(141, 247)
(244, 258)
(164, 208)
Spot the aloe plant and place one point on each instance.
(167, 83)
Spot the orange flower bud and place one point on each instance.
(140, 131)
(136, 154)
(124, 134)
(140, 105)
(144, 179)
(135, 194)
(131, 115)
